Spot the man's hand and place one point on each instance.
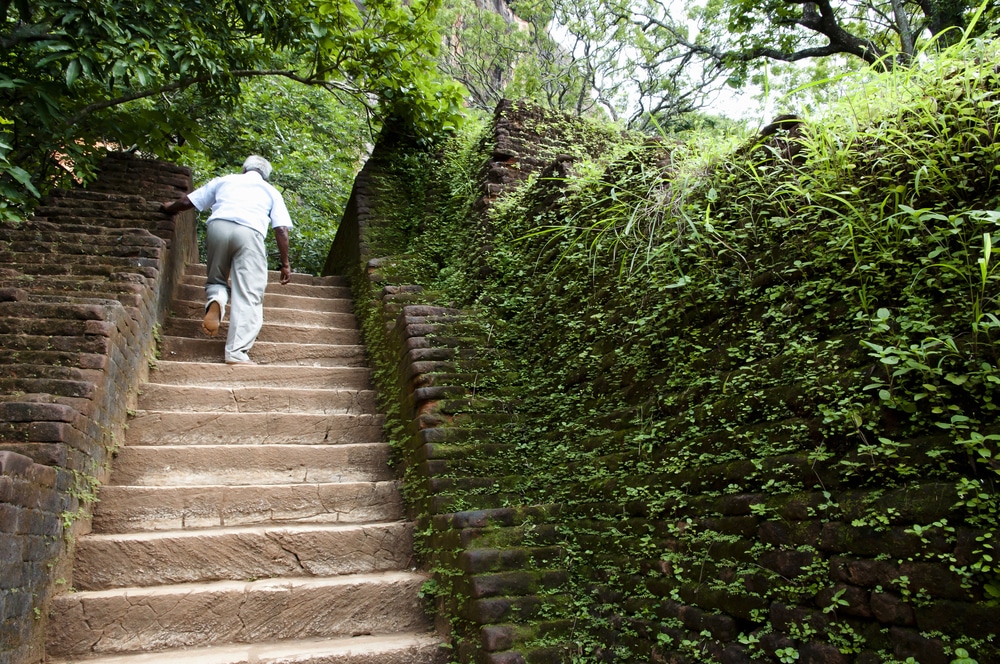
(281, 239)
(180, 205)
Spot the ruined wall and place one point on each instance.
(83, 287)
(751, 531)
(436, 371)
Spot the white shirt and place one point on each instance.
(245, 198)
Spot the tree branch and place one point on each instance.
(331, 86)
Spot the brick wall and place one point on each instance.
(501, 554)
(494, 556)
(83, 286)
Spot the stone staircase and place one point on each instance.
(251, 515)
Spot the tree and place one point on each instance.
(68, 68)
(315, 141)
(738, 34)
(580, 56)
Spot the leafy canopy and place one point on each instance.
(66, 65)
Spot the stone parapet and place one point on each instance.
(84, 286)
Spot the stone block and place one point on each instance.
(821, 653)
(487, 611)
(8, 518)
(910, 643)
(11, 548)
(936, 580)
(972, 620)
(787, 563)
(864, 573)
(891, 609)
(497, 637)
(12, 463)
(857, 600)
(504, 658)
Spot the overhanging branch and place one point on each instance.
(331, 86)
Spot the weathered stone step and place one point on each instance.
(39, 224)
(345, 335)
(84, 235)
(335, 315)
(207, 374)
(68, 268)
(188, 429)
(199, 270)
(137, 246)
(121, 221)
(301, 284)
(226, 612)
(291, 290)
(396, 648)
(106, 561)
(196, 398)
(137, 508)
(122, 262)
(191, 465)
(81, 287)
(186, 349)
(275, 300)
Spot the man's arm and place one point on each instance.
(281, 237)
(181, 204)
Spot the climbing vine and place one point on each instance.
(758, 376)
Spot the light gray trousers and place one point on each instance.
(236, 254)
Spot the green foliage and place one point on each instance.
(315, 143)
(75, 77)
(782, 324)
(743, 33)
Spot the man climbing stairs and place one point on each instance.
(251, 515)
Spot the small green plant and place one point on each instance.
(962, 656)
(787, 655)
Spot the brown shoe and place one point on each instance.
(213, 318)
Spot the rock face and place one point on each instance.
(251, 515)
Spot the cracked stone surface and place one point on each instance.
(240, 553)
(273, 332)
(135, 508)
(252, 515)
(209, 374)
(406, 648)
(253, 428)
(192, 465)
(182, 349)
(194, 398)
(331, 314)
(234, 612)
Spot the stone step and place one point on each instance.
(299, 285)
(206, 374)
(121, 263)
(273, 332)
(300, 292)
(196, 398)
(106, 561)
(185, 349)
(187, 429)
(192, 465)
(274, 299)
(340, 314)
(125, 509)
(396, 648)
(199, 270)
(228, 612)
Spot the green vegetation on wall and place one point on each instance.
(758, 377)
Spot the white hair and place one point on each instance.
(259, 164)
